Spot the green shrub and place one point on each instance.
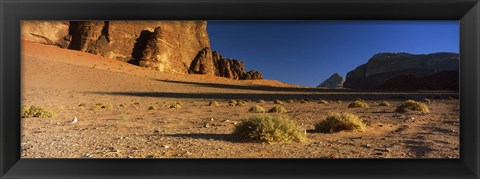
(261, 101)
(269, 129)
(277, 101)
(323, 102)
(256, 109)
(358, 104)
(340, 121)
(213, 103)
(384, 103)
(277, 109)
(411, 105)
(36, 111)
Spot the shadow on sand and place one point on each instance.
(267, 96)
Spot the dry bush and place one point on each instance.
(336, 122)
(428, 101)
(101, 106)
(152, 108)
(277, 109)
(36, 111)
(277, 101)
(290, 101)
(261, 101)
(384, 103)
(270, 129)
(323, 101)
(213, 103)
(256, 109)
(176, 105)
(232, 102)
(241, 103)
(411, 105)
(358, 104)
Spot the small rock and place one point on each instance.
(206, 125)
(74, 120)
(156, 131)
(166, 146)
(211, 119)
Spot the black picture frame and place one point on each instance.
(13, 11)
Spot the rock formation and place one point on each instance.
(392, 66)
(234, 69)
(203, 63)
(334, 81)
(167, 46)
(46, 32)
(444, 80)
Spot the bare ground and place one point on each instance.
(61, 80)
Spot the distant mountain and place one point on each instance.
(396, 70)
(334, 81)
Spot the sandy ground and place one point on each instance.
(61, 79)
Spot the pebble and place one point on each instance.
(211, 119)
(206, 125)
(166, 146)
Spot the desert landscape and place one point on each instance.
(154, 92)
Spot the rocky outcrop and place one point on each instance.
(203, 63)
(167, 46)
(234, 69)
(445, 80)
(334, 81)
(46, 32)
(384, 66)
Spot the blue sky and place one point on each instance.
(308, 52)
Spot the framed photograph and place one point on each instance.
(239, 89)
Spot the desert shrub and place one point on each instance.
(261, 101)
(36, 111)
(277, 109)
(269, 129)
(136, 103)
(102, 105)
(411, 105)
(336, 122)
(232, 102)
(428, 101)
(176, 105)
(152, 108)
(277, 101)
(241, 103)
(304, 101)
(384, 103)
(358, 104)
(290, 101)
(256, 109)
(82, 105)
(323, 102)
(123, 105)
(213, 103)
